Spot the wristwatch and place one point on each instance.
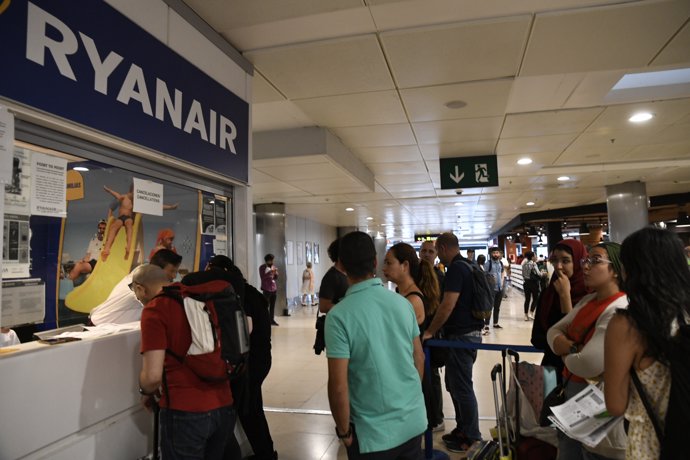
(142, 392)
(573, 349)
(345, 435)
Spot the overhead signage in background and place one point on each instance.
(6, 145)
(469, 172)
(92, 65)
(426, 237)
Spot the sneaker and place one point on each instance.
(498, 326)
(458, 445)
(453, 436)
(526, 317)
(440, 427)
(485, 331)
(273, 323)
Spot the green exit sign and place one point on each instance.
(469, 172)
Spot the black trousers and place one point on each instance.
(271, 298)
(409, 450)
(498, 298)
(531, 288)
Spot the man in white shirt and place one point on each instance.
(122, 306)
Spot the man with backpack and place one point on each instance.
(196, 412)
(494, 266)
(459, 322)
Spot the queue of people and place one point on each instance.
(608, 313)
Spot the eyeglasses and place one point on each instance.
(591, 261)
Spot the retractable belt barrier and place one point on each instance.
(429, 452)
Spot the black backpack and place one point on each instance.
(228, 327)
(483, 293)
(673, 438)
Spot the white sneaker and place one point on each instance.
(527, 318)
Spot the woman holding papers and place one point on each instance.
(578, 339)
(657, 282)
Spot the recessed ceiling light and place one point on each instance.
(524, 161)
(349, 209)
(458, 203)
(563, 178)
(80, 168)
(370, 218)
(641, 117)
(455, 104)
(530, 203)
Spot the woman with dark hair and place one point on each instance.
(657, 282)
(578, 339)
(417, 282)
(566, 288)
(481, 260)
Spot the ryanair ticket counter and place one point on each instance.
(123, 128)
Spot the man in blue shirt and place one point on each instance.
(494, 266)
(375, 363)
(454, 315)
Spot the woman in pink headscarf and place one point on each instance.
(164, 241)
(566, 288)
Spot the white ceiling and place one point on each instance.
(534, 76)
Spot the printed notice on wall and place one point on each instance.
(148, 197)
(15, 246)
(6, 145)
(18, 189)
(48, 185)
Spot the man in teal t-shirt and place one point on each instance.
(375, 362)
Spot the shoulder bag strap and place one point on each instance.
(643, 397)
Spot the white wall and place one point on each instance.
(300, 229)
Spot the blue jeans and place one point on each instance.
(460, 386)
(195, 435)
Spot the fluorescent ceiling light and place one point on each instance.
(641, 117)
(458, 203)
(524, 161)
(563, 178)
(80, 168)
(370, 218)
(530, 203)
(349, 209)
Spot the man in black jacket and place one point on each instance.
(247, 388)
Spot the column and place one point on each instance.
(270, 238)
(627, 205)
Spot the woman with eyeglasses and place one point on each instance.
(657, 282)
(579, 340)
(566, 288)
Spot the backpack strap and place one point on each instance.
(645, 402)
(417, 293)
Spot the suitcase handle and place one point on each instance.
(496, 370)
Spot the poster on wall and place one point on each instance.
(316, 253)
(307, 249)
(6, 145)
(15, 246)
(208, 225)
(48, 185)
(300, 252)
(290, 252)
(18, 189)
(148, 197)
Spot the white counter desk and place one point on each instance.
(75, 400)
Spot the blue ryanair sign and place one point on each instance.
(86, 62)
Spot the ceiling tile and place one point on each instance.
(601, 38)
(321, 186)
(525, 145)
(678, 51)
(386, 169)
(471, 129)
(376, 136)
(262, 91)
(374, 108)
(388, 154)
(548, 123)
(460, 52)
(278, 115)
(457, 149)
(660, 151)
(483, 99)
(325, 68)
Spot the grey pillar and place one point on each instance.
(627, 205)
(270, 238)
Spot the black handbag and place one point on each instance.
(557, 396)
(320, 340)
(439, 355)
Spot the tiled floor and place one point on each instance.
(295, 392)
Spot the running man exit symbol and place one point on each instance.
(469, 172)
